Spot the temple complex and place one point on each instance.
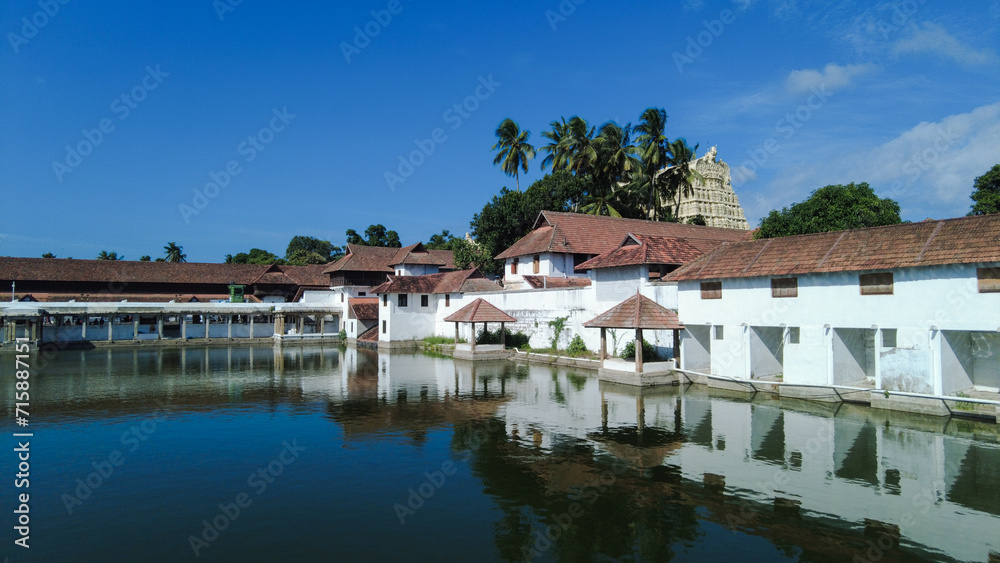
(713, 198)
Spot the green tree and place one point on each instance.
(653, 142)
(145, 258)
(375, 235)
(255, 256)
(680, 177)
(557, 157)
(578, 146)
(471, 255)
(441, 241)
(174, 253)
(831, 208)
(513, 149)
(105, 255)
(48, 255)
(617, 160)
(310, 250)
(986, 193)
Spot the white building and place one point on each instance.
(910, 308)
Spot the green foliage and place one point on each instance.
(698, 219)
(375, 235)
(255, 256)
(442, 241)
(986, 193)
(832, 208)
(145, 258)
(513, 149)
(174, 253)
(513, 339)
(648, 352)
(304, 250)
(471, 255)
(342, 335)
(437, 340)
(558, 325)
(576, 346)
(105, 255)
(48, 255)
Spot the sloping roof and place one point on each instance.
(593, 234)
(360, 258)
(125, 272)
(549, 282)
(460, 281)
(637, 311)
(310, 275)
(416, 254)
(965, 240)
(363, 308)
(646, 249)
(480, 311)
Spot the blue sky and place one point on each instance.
(795, 94)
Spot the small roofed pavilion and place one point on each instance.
(639, 313)
(480, 311)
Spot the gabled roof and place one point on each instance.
(645, 249)
(578, 233)
(549, 282)
(460, 281)
(361, 258)
(637, 311)
(416, 254)
(362, 308)
(125, 272)
(965, 240)
(480, 311)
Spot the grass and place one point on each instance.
(435, 340)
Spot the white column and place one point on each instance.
(878, 357)
(229, 326)
(937, 376)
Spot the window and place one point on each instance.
(784, 287)
(362, 293)
(383, 327)
(399, 272)
(876, 284)
(889, 338)
(535, 260)
(513, 266)
(402, 300)
(447, 300)
(718, 333)
(711, 290)
(989, 280)
(793, 334)
(385, 298)
(579, 259)
(352, 326)
(341, 297)
(423, 300)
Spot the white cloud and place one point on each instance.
(832, 77)
(932, 38)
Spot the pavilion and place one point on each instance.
(480, 311)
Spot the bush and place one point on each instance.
(576, 346)
(648, 352)
(343, 335)
(514, 339)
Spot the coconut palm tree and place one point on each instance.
(578, 144)
(652, 141)
(557, 157)
(513, 149)
(614, 165)
(174, 253)
(105, 255)
(680, 177)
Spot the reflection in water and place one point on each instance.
(549, 464)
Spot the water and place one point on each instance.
(318, 454)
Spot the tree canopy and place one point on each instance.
(174, 253)
(105, 255)
(831, 208)
(986, 192)
(255, 256)
(304, 250)
(375, 235)
(441, 241)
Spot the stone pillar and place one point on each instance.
(159, 327)
(183, 326)
(473, 341)
(86, 321)
(229, 326)
(877, 356)
(204, 319)
(135, 327)
(638, 350)
(677, 349)
(604, 345)
(456, 332)
(301, 324)
(503, 337)
(251, 328)
(111, 328)
(322, 325)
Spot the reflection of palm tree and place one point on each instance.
(174, 253)
(513, 149)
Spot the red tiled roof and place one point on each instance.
(549, 282)
(964, 240)
(364, 308)
(480, 311)
(593, 234)
(308, 276)
(416, 254)
(360, 258)
(647, 249)
(130, 297)
(370, 335)
(460, 281)
(637, 311)
(125, 272)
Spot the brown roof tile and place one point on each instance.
(637, 311)
(124, 272)
(964, 240)
(459, 281)
(480, 311)
(549, 282)
(360, 258)
(363, 308)
(593, 234)
(648, 249)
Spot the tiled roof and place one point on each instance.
(647, 249)
(363, 308)
(480, 311)
(130, 297)
(308, 276)
(549, 282)
(964, 240)
(593, 234)
(125, 272)
(637, 311)
(370, 335)
(416, 254)
(460, 281)
(360, 258)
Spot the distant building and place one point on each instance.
(713, 198)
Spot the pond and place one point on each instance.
(323, 454)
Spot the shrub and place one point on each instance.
(557, 324)
(342, 334)
(648, 352)
(514, 339)
(576, 346)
